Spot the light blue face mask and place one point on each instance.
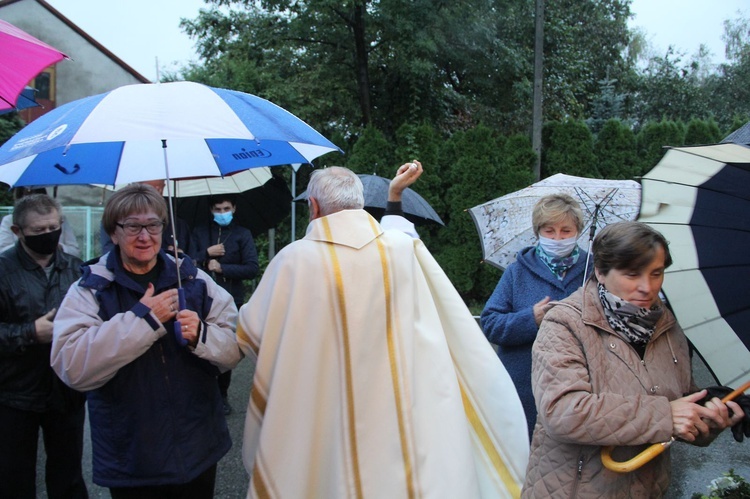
(558, 248)
(223, 219)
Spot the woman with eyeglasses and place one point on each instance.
(157, 424)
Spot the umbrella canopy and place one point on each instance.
(739, 136)
(22, 57)
(698, 198)
(258, 209)
(157, 131)
(26, 99)
(504, 224)
(262, 199)
(415, 208)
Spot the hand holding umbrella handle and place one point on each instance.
(654, 450)
(177, 325)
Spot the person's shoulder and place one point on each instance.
(242, 230)
(70, 260)
(571, 306)
(526, 260)
(95, 274)
(9, 259)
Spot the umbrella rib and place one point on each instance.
(700, 186)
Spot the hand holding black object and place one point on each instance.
(741, 429)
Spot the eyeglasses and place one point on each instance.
(134, 229)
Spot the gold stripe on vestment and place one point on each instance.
(408, 470)
(244, 337)
(489, 448)
(259, 484)
(347, 356)
(257, 398)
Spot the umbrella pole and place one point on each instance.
(592, 231)
(171, 211)
(294, 207)
(588, 260)
(180, 291)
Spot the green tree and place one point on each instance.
(669, 89)
(652, 139)
(372, 153)
(570, 151)
(385, 62)
(607, 105)
(472, 162)
(616, 151)
(585, 43)
(701, 132)
(10, 123)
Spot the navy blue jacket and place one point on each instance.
(159, 420)
(240, 260)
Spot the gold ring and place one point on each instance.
(184, 328)
(171, 309)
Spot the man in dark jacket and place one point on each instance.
(34, 277)
(227, 252)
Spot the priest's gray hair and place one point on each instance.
(336, 188)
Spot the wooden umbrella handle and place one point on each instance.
(654, 450)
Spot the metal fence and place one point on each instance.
(85, 221)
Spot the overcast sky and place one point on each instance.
(139, 31)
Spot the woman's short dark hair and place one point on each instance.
(133, 199)
(628, 245)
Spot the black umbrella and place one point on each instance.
(415, 208)
(258, 209)
(698, 197)
(739, 136)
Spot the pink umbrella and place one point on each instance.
(22, 57)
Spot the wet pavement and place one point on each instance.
(692, 467)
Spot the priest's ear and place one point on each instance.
(314, 207)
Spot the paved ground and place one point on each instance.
(693, 467)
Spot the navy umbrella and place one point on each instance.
(699, 198)
(26, 99)
(416, 209)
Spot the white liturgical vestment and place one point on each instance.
(372, 378)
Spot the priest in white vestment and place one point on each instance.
(372, 378)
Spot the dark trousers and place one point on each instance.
(224, 380)
(62, 433)
(200, 488)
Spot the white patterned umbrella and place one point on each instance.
(504, 224)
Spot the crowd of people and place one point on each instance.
(371, 378)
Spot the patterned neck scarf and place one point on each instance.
(636, 323)
(558, 265)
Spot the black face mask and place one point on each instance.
(43, 244)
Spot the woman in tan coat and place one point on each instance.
(609, 367)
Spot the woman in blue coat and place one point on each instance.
(550, 270)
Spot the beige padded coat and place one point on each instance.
(592, 389)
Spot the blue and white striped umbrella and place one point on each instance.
(157, 131)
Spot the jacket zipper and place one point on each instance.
(579, 474)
